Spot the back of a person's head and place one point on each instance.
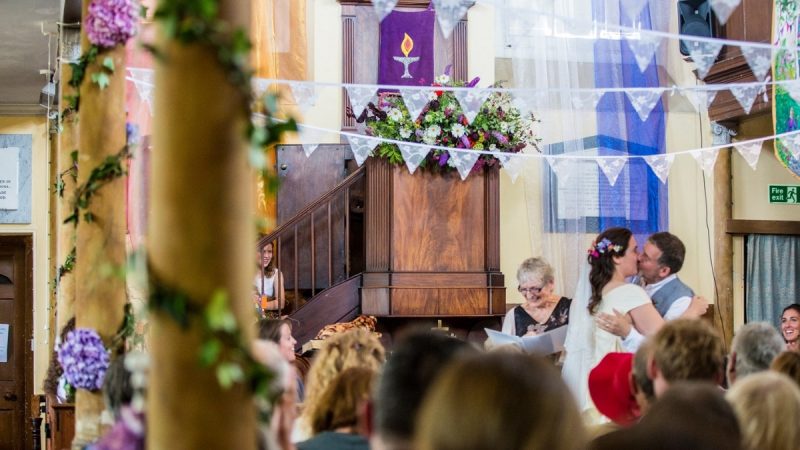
(354, 348)
(409, 371)
(768, 407)
(502, 401)
(788, 363)
(338, 406)
(686, 349)
(756, 345)
(639, 371)
(690, 415)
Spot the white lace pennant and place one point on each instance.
(413, 155)
(383, 8)
(660, 164)
(260, 86)
(750, 152)
(759, 60)
(706, 159)
(415, 101)
(704, 54)
(527, 101)
(304, 95)
(746, 96)
(471, 101)
(145, 91)
(582, 100)
(464, 161)
(701, 100)
(512, 165)
(309, 138)
(611, 167)
(360, 97)
(449, 12)
(644, 101)
(362, 147)
(562, 167)
(643, 49)
(724, 8)
(632, 8)
(792, 145)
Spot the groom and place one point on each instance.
(659, 262)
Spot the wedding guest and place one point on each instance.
(279, 331)
(788, 363)
(754, 347)
(768, 407)
(790, 326)
(334, 415)
(542, 310)
(502, 401)
(269, 295)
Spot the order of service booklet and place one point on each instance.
(542, 344)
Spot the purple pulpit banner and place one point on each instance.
(406, 55)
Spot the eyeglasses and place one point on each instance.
(530, 290)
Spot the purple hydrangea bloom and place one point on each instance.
(84, 359)
(443, 159)
(111, 22)
(128, 433)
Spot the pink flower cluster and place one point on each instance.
(111, 22)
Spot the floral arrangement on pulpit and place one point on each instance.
(496, 126)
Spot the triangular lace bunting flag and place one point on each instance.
(383, 8)
(527, 101)
(701, 100)
(143, 82)
(413, 155)
(792, 145)
(660, 164)
(704, 54)
(644, 101)
(512, 165)
(724, 8)
(750, 152)
(362, 147)
(580, 100)
(706, 158)
(633, 8)
(304, 95)
(260, 85)
(415, 101)
(746, 96)
(643, 49)
(449, 12)
(360, 97)
(562, 167)
(464, 161)
(759, 59)
(471, 101)
(309, 138)
(611, 167)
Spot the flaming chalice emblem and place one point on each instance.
(406, 46)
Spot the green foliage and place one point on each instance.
(65, 268)
(109, 170)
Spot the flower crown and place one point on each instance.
(598, 248)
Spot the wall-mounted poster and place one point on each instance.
(15, 178)
(9, 178)
(786, 66)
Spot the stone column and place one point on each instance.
(723, 242)
(99, 294)
(201, 238)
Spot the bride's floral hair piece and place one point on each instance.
(598, 248)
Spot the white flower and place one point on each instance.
(457, 130)
(429, 117)
(432, 96)
(428, 139)
(405, 133)
(503, 127)
(433, 131)
(442, 79)
(394, 114)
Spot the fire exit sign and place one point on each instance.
(784, 194)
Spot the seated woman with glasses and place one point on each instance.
(542, 310)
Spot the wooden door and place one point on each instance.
(15, 311)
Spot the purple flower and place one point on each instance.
(500, 137)
(84, 359)
(474, 82)
(111, 22)
(465, 141)
(443, 159)
(126, 434)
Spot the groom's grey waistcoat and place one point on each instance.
(665, 296)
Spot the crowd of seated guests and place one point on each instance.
(681, 389)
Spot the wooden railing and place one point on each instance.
(298, 242)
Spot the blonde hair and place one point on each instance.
(767, 405)
(338, 405)
(354, 348)
(788, 363)
(502, 401)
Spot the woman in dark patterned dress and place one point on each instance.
(542, 310)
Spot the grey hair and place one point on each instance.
(535, 269)
(756, 345)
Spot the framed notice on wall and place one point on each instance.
(15, 178)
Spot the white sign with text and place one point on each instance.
(9, 178)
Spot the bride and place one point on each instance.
(602, 288)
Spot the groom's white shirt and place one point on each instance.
(634, 339)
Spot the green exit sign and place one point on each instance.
(784, 194)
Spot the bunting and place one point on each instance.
(449, 12)
(464, 161)
(643, 101)
(361, 147)
(660, 165)
(413, 155)
(704, 54)
(750, 152)
(611, 167)
(706, 159)
(723, 9)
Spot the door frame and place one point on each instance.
(24, 288)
